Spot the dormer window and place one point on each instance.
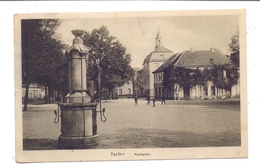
(162, 55)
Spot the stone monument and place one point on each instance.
(78, 114)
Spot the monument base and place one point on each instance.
(90, 142)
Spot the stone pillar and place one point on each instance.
(209, 89)
(196, 91)
(193, 92)
(77, 54)
(78, 114)
(216, 92)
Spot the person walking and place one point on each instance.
(163, 100)
(136, 100)
(153, 101)
(148, 100)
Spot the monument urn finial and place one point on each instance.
(78, 42)
(78, 33)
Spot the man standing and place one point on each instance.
(148, 100)
(153, 101)
(163, 100)
(136, 99)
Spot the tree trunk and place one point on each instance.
(110, 93)
(133, 82)
(90, 87)
(99, 85)
(49, 96)
(58, 95)
(45, 95)
(53, 96)
(26, 97)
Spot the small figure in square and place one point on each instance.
(148, 100)
(154, 102)
(163, 100)
(136, 100)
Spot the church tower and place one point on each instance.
(158, 40)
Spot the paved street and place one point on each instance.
(192, 123)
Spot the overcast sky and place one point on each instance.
(178, 33)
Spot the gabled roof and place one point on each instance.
(160, 49)
(167, 63)
(201, 58)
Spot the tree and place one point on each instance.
(223, 76)
(219, 79)
(110, 55)
(234, 48)
(53, 69)
(41, 53)
(178, 78)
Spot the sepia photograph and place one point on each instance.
(130, 85)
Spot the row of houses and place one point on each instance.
(149, 79)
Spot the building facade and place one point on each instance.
(192, 59)
(145, 78)
(34, 92)
(126, 89)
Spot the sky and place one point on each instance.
(178, 33)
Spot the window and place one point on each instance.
(156, 65)
(162, 55)
(120, 92)
(116, 92)
(156, 78)
(160, 77)
(129, 90)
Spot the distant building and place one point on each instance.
(126, 89)
(193, 59)
(129, 88)
(145, 78)
(35, 92)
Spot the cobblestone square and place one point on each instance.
(192, 123)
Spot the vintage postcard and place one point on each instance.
(130, 85)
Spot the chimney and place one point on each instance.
(191, 49)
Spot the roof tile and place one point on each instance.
(201, 58)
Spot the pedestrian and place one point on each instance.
(136, 99)
(153, 101)
(148, 100)
(163, 100)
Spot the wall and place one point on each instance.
(34, 92)
(157, 59)
(127, 88)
